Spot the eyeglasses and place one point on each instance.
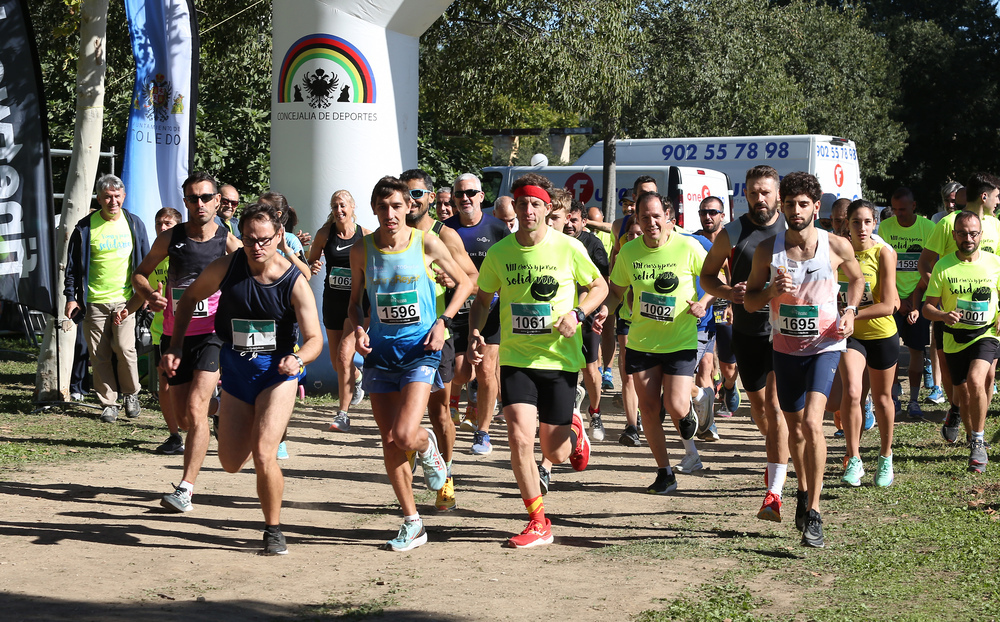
(194, 198)
(972, 235)
(471, 192)
(709, 212)
(258, 242)
(228, 203)
(418, 193)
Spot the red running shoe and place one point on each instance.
(771, 509)
(535, 534)
(580, 457)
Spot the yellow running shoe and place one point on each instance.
(411, 457)
(446, 496)
(471, 422)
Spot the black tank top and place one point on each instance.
(188, 259)
(744, 236)
(338, 260)
(255, 317)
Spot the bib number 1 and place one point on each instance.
(254, 336)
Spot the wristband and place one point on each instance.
(580, 315)
(852, 308)
(447, 321)
(298, 358)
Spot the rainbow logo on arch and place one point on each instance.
(331, 48)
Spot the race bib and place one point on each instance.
(200, 307)
(339, 278)
(657, 306)
(867, 299)
(907, 262)
(973, 311)
(254, 336)
(798, 320)
(532, 318)
(467, 305)
(720, 315)
(398, 308)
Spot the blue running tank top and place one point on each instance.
(403, 300)
(253, 317)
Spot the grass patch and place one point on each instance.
(725, 602)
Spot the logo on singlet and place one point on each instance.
(340, 248)
(544, 288)
(180, 245)
(666, 283)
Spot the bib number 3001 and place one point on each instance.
(254, 336)
(973, 311)
(657, 306)
(798, 320)
(532, 318)
(398, 308)
(200, 307)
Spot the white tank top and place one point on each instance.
(804, 321)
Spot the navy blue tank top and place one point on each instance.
(253, 317)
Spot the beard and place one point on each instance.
(412, 219)
(797, 226)
(762, 218)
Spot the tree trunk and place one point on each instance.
(52, 384)
(610, 178)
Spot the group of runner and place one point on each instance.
(807, 322)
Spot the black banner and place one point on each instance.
(26, 214)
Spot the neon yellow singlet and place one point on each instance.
(875, 328)
(942, 242)
(662, 281)
(907, 242)
(538, 285)
(109, 278)
(158, 276)
(971, 288)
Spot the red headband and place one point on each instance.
(532, 191)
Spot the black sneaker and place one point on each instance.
(630, 437)
(665, 483)
(274, 543)
(801, 505)
(544, 477)
(952, 420)
(688, 425)
(812, 535)
(172, 446)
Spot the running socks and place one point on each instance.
(536, 508)
(412, 519)
(776, 477)
(186, 485)
(979, 436)
(448, 464)
(689, 447)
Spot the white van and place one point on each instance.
(833, 160)
(685, 186)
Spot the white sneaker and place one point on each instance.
(689, 464)
(580, 394)
(705, 410)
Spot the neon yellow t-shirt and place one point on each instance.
(109, 278)
(606, 238)
(907, 242)
(158, 276)
(875, 328)
(662, 281)
(971, 288)
(942, 242)
(538, 285)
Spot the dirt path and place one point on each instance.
(90, 541)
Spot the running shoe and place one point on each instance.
(884, 474)
(689, 424)
(580, 457)
(896, 406)
(869, 413)
(76, 397)
(704, 409)
(109, 414)
(838, 434)
(274, 543)
(411, 458)
(812, 532)
(580, 394)
(630, 437)
(913, 411)
(731, 398)
(771, 508)
(666, 482)
(689, 464)
(456, 417)
(435, 468)
(132, 406)
(854, 472)
(411, 535)
(470, 423)
(544, 478)
(481, 445)
(282, 451)
(172, 446)
(723, 413)
(215, 426)
(359, 393)
(710, 435)
(801, 509)
(952, 421)
(536, 533)
(928, 374)
(177, 501)
(977, 456)
(341, 422)
(446, 496)
(596, 425)
(936, 395)
(607, 380)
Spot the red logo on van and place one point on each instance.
(581, 186)
(838, 176)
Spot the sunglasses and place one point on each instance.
(418, 193)
(194, 198)
(228, 203)
(708, 212)
(467, 193)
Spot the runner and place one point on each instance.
(333, 243)
(623, 320)
(190, 249)
(537, 272)
(661, 269)
(403, 343)
(964, 286)
(264, 301)
(874, 346)
(795, 274)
